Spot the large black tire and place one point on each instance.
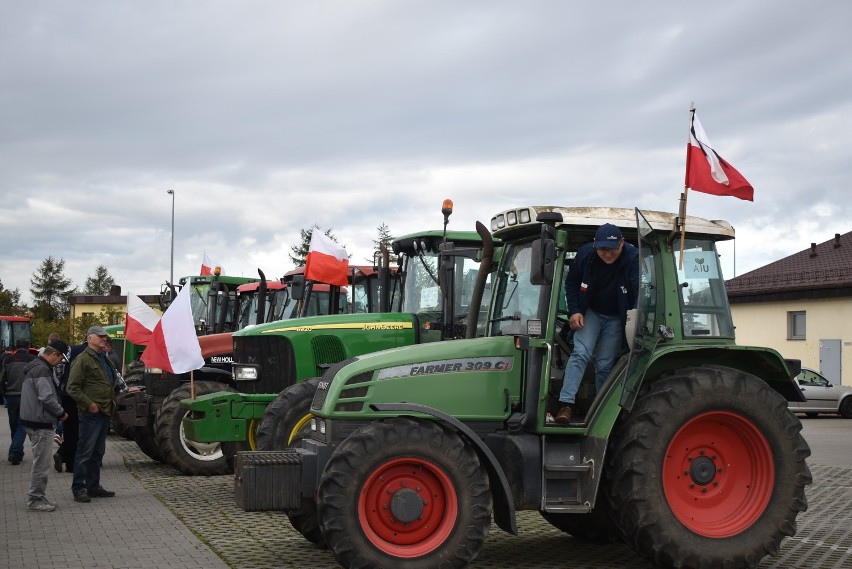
(134, 373)
(190, 457)
(287, 416)
(405, 494)
(846, 408)
(708, 470)
(146, 440)
(285, 422)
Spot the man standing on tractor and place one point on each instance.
(601, 286)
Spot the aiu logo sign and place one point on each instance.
(700, 265)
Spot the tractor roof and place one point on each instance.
(522, 221)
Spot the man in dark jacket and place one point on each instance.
(70, 426)
(40, 410)
(601, 286)
(91, 384)
(12, 379)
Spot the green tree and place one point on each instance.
(383, 237)
(50, 289)
(10, 302)
(100, 283)
(298, 253)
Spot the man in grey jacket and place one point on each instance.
(40, 410)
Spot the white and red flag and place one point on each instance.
(174, 346)
(140, 321)
(708, 172)
(206, 265)
(327, 262)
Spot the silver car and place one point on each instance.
(823, 397)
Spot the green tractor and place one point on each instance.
(687, 452)
(277, 355)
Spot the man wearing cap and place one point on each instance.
(602, 284)
(91, 383)
(40, 410)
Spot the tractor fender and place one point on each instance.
(504, 505)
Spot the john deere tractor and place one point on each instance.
(687, 452)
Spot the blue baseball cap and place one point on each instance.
(607, 236)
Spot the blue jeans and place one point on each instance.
(599, 338)
(91, 446)
(19, 434)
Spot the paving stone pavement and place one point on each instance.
(161, 518)
(133, 530)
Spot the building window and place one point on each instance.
(85, 314)
(796, 325)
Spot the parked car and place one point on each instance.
(823, 397)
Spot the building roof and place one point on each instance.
(823, 270)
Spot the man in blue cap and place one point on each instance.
(602, 284)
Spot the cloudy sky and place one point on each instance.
(266, 117)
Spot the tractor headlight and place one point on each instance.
(245, 373)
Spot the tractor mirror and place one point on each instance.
(543, 255)
(297, 287)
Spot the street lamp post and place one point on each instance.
(172, 258)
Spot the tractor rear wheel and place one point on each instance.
(708, 470)
(285, 422)
(190, 457)
(404, 493)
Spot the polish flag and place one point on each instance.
(174, 346)
(140, 321)
(327, 261)
(708, 172)
(206, 265)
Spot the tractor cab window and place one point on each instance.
(515, 297)
(198, 302)
(422, 291)
(703, 301)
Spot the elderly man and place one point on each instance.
(40, 410)
(92, 385)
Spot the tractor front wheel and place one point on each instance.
(404, 493)
(287, 416)
(190, 457)
(708, 470)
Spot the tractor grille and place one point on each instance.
(274, 357)
(327, 350)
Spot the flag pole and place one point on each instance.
(192, 384)
(685, 186)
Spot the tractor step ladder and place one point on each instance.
(563, 476)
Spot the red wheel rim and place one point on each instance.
(718, 474)
(426, 488)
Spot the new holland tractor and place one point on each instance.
(216, 303)
(277, 355)
(688, 452)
